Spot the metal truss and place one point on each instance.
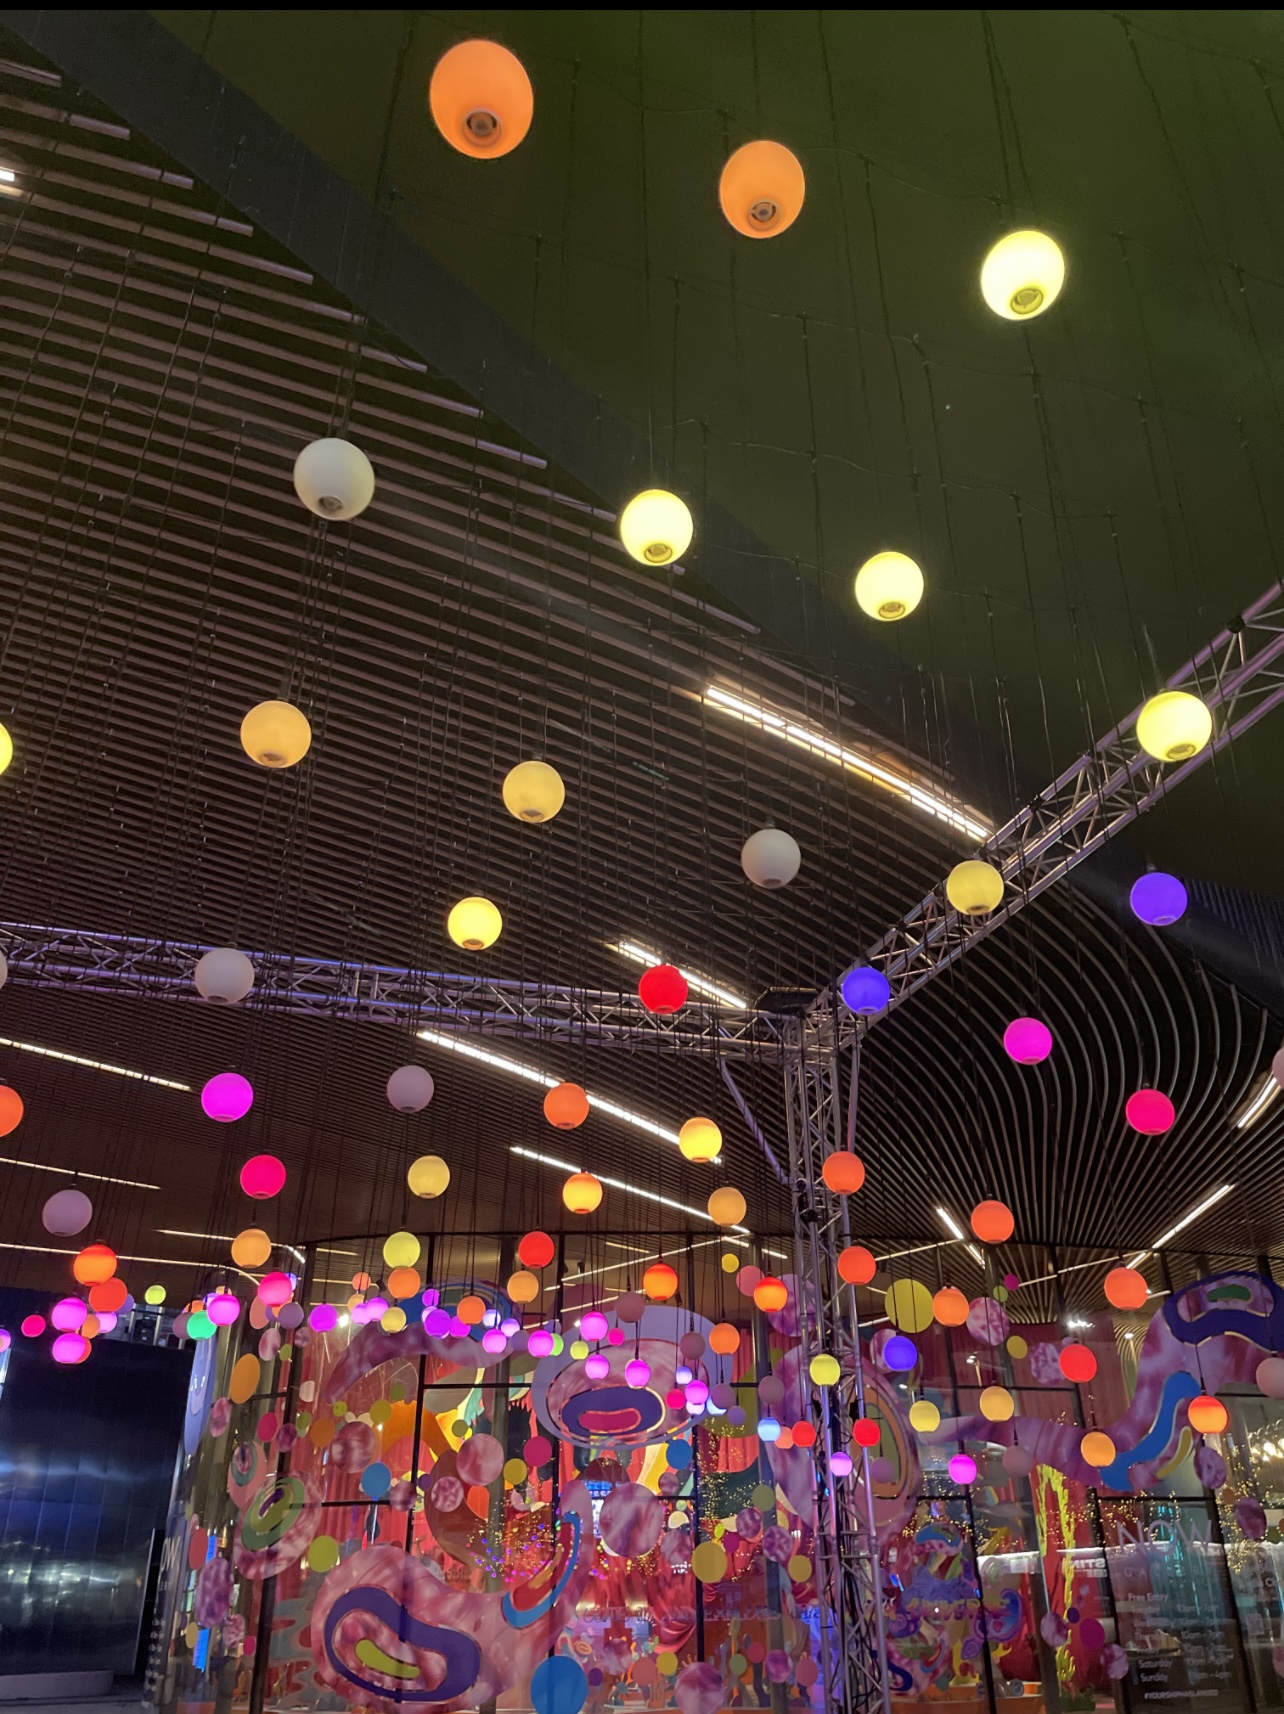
(1240, 676)
(140, 965)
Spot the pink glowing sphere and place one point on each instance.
(593, 1325)
(360, 1315)
(675, 1398)
(458, 1326)
(540, 1343)
(32, 1326)
(275, 1289)
(840, 1463)
(70, 1348)
(962, 1469)
(227, 1096)
(107, 1319)
(262, 1175)
(6, 1339)
(222, 1308)
(322, 1317)
(375, 1307)
(697, 1393)
(1027, 1041)
(637, 1371)
(1150, 1112)
(494, 1341)
(68, 1314)
(597, 1367)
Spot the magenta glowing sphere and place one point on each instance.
(458, 1326)
(962, 1469)
(540, 1342)
(32, 1326)
(6, 1338)
(1027, 1041)
(637, 1371)
(222, 1308)
(1158, 899)
(1150, 1112)
(615, 1336)
(674, 1398)
(840, 1463)
(323, 1317)
(376, 1306)
(68, 1314)
(431, 1298)
(510, 1326)
(494, 1341)
(275, 1289)
(436, 1324)
(697, 1393)
(70, 1348)
(262, 1175)
(593, 1325)
(227, 1096)
(107, 1319)
(360, 1314)
(597, 1367)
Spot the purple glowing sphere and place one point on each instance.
(637, 1371)
(1158, 899)
(597, 1367)
(70, 1348)
(222, 1307)
(227, 1096)
(865, 990)
(840, 1463)
(540, 1342)
(593, 1325)
(1027, 1041)
(962, 1469)
(323, 1317)
(437, 1323)
(900, 1353)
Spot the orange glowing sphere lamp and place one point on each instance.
(659, 1282)
(843, 1172)
(481, 99)
(1126, 1288)
(762, 188)
(770, 1294)
(856, 1265)
(94, 1264)
(950, 1306)
(1207, 1414)
(566, 1106)
(993, 1222)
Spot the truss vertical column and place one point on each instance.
(848, 1574)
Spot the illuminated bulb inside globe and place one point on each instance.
(1174, 726)
(223, 974)
(656, 527)
(889, 586)
(334, 479)
(6, 748)
(533, 792)
(771, 857)
(474, 923)
(276, 734)
(1022, 275)
(974, 888)
(681, 1375)
(597, 1367)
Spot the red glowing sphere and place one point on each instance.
(993, 1222)
(1076, 1362)
(804, 1434)
(1150, 1112)
(535, 1250)
(865, 1431)
(33, 1326)
(663, 989)
(262, 1176)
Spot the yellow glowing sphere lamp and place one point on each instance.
(824, 1369)
(523, 1287)
(393, 1320)
(726, 1206)
(997, 1404)
(582, 1193)
(974, 888)
(700, 1140)
(474, 924)
(889, 586)
(1097, 1448)
(533, 792)
(155, 1294)
(1174, 726)
(924, 1416)
(579, 1349)
(276, 734)
(401, 1250)
(731, 1263)
(656, 527)
(428, 1176)
(1023, 274)
(6, 748)
(251, 1248)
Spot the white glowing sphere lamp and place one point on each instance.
(410, 1088)
(334, 479)
(223, 974)
(771, 857)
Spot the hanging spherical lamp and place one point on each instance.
(410, 1088)
(865, 990)
(1269, 1376)
(70, 1348)
(276, 734)
(727, 1207)
(996, 1404)
(724, 1339)
(481, 99)
(659, 1282)
(1150, 1112)
(1022, 275)
(1027, 1041)
(263, 1176)
(582, 1193)
(770, 858)
(824, 1369)
(856, 1265)
(656, 527)
(889, 586)
(762, 188)
(404, 1282)
(993, 1222)
(1174, 726)
(66, 1212)
(1076, 1362)
(533, 792)
(275, 1289)
(222, 1307)
(334, 479)
(536, 1250)
(474, 923)
(401, 1250)
(68, 1314)
(962, 1469)
(6, 749)
(843, 1172)
(94, 1263)
(637, 1372)
(974, 888)
(11, 1109)
(924, 1416)
(1208, 1415)
(107, 1296)
(1097, 1449)
(1158, 899)
(566, 1106)
(523, 1287)
(227, 1097)
(251, 1248)
(663, 989)
(1126, 1288)
(428, 1176)
(950, 1306)
(770, 1294)
(223, 974)
(700, 1140)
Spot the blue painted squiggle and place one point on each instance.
(1177, 1388)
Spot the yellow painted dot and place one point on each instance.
(340, 1407)
(666, 1661)
(323, 1554)
(909, 1305)
(515, 1471)
(192, 1632)
(459, 1428)
(1017, 1347)
(799, 1568)
(763, 1497)
(709, 1562)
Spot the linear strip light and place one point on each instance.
(702, 984)
(1267, 1092)
(1186, 1220)
(77, 1172)
(952, 1226)
(159, 1261)
(515, 1068)
(95, 1064)
(619, 1184)
(855, 761)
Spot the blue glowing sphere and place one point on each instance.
(900, 1353)
(865, 990)
(768, 1428)
(1158, 899)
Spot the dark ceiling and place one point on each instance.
(1090, 502)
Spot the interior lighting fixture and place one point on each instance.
(952, 1226)
(762, 188)
(1174, 726)
(637, 954)
(1261, 1099)
(7, 175)
(1200, 1209)
(619, 1184)
(656, 527)
(889, 586)
(77, 1172)
(514, 1068)
(175, 1232)
(1022, 275)
(855, 761)
(94, 1064)
(481, 99)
